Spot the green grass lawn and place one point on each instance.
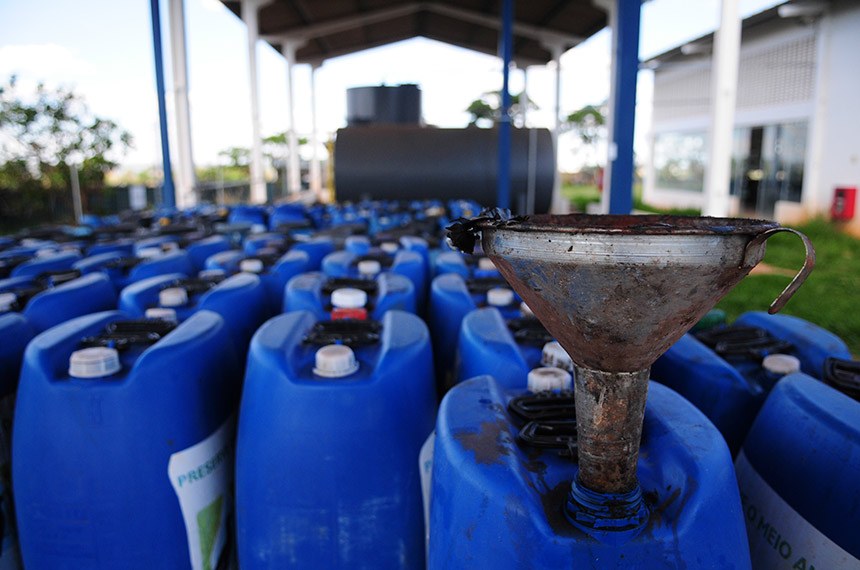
(830, 296)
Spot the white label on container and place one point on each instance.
(780, 538)
(201, 475)
(425, 468)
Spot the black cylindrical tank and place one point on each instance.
(410, 162)
(381, 104)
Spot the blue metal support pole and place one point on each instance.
(503, 190)
(168, 192)
(626, 54)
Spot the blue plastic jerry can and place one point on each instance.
(728, 398)
(122, 448)
(501, 486)
(203, 249)
(124, 246)
(451, 299)
(122, 271)
(333, 415)
(240, 300)
(797, 473)
(42, 264)
(811, 344)
(348, 298)
(504, 348)
(410, 264)
(273, 269)
(465, 266)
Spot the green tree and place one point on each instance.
(486, 110)
(43, 133)
(588, 122)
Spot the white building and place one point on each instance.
(797, 119)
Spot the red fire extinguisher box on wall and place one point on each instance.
(844, 202)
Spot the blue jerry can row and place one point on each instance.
(346, 297)
(240, 300)
(333, 416)
(122, 448)
(728, 371)
(451, 298)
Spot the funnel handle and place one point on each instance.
(801, 276)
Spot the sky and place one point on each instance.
(103, 50)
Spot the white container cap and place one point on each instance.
(486, 264)
(549, 378)
(258, 229)
(500, 297)
(46, 252)
(211, 273)
(335, 361)
(554, 355)
(348, 298)
(96, 362)
(169, 246)
(7, 300)
(251, 265)
(163, 313)
(781, 364)
(149, 252)
(389, 247)
(172, 297)
(526, 310)
(369, 267)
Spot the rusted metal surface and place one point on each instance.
(618, 295)
(610, 407)
(617, 292)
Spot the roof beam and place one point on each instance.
(537, 33)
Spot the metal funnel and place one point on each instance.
(617, 292)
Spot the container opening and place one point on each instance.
(22, 295)
(844, 375)
(123, 264)
(385, 260)
(122, 335)
(557, 435)
(529, 331)
(480, 285)
(742, 342)
(543, 406)
(56, 278)
(195, 285)
(369, 286)
(350, 332)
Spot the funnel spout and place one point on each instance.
(610, 407)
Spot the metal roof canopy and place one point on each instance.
(339, 27)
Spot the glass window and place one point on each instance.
(679, 161)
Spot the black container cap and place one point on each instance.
(743, 342)
(369, 286)
(484, 284)
(530, 331)
(124, 334)
(351, 332)
(543, 406)
(58, 277)
(844, 375)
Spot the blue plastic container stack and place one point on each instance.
(362, 259)
(273, 269)
(451, 299)
(332, 418)
(122, 449)
(240, 300)
(39, 264)
(123, 271)
(466, 266)
(502, 472)
(343, 297)
(798, 475)
(727, 372)
(503, 348)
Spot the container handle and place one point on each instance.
(801, 276)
